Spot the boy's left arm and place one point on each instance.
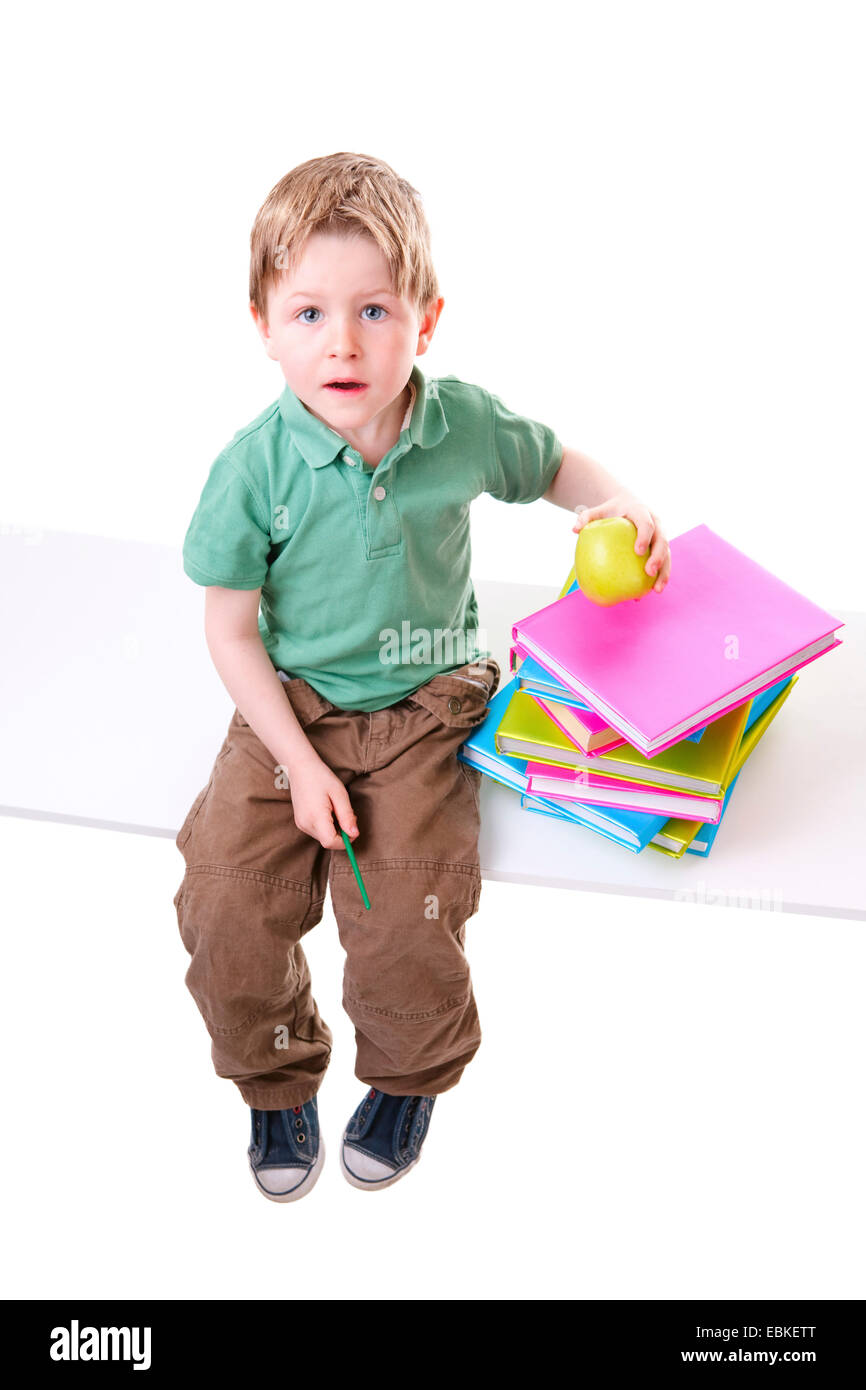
(581, 485)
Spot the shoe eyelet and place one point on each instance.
(301, 1138)
(297, 1109)
(299, 1124)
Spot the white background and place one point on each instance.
(648, 224)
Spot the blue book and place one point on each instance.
(635, 837)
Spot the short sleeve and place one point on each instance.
(526, 455)
(227, 542)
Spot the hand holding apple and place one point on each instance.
(647, 528)
(605, 564)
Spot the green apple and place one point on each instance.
(607, 567)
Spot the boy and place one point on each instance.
(334, 521)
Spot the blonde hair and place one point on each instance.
(346, 194)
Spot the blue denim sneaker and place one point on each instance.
(383, 1139)
(286, 1151)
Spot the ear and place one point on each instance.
(264, 332)
(427, 326)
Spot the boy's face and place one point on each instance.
(336, 316)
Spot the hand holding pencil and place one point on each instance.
(318, 797)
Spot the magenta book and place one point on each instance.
(724, 629)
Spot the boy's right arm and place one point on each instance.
(248, 674)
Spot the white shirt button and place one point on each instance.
(379, 493)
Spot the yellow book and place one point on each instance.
(675, 842)
(526, 731)
(568, 583)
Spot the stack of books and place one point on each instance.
(635, 721)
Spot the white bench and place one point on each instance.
(112, 714)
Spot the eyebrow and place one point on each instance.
(320, 294)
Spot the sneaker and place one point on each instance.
(383, 1139)
(286, 1151)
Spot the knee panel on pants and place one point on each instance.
(404, 957)
(242, 929)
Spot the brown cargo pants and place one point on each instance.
(254, 886)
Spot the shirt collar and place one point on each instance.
(319, 444)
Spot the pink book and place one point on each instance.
(571, 719)
(724, 629)
(570, 784)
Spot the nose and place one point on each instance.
(343, 337)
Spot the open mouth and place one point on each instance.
(348, 386)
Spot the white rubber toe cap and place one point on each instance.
(369, 1173)
(363, 1166)
(287, 1184)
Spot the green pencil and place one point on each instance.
(355, 870)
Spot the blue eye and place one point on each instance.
(312, 310)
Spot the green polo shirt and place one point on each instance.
(364, 572)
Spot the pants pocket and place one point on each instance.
(186, 829)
